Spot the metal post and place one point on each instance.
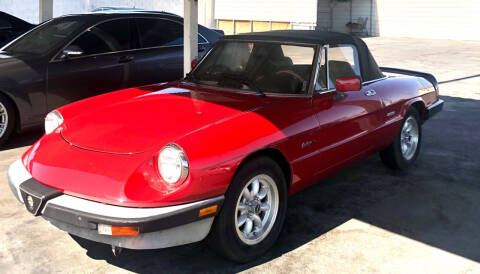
(190, 34)
(45, 10)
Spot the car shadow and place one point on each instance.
(22, 139)
(434, 202)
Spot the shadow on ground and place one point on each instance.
(434, 202)
(24, 139)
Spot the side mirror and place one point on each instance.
(71, 51)
(194, 63)
(348, 84)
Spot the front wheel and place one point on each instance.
(405, 148)
(253, 212)
(7, 119)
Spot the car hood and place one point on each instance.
(152, 119)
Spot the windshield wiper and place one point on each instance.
(243, 80)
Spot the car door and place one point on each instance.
(100, 63)
(161, 55)
(348, 119)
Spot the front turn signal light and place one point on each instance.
(207, 211)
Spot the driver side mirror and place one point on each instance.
(194, 63)
(71, 51)
(343, 84)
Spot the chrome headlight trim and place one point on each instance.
(182, 161)
(52, 121)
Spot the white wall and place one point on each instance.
(24, 9)
(267, 10)
(444, 19)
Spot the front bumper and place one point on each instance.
(159, 227)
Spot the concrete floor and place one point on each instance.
(364, 219)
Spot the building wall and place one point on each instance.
(445, 19)
(344, 12)
(442, 19)
(235, 16)
(28, 9)
(267, 10)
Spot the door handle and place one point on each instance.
(370, 92)
(125, 59)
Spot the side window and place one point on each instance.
(107, 37)
(322, 72)
(159, 32)
(342, 62)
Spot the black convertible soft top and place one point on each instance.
(369, 68)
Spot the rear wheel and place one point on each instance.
(253, 212)
(7, 119)
(405, 148)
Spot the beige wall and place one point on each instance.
(243, 26)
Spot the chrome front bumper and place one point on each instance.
(17, 174)
(159, 227)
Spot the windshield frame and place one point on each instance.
(311, 85)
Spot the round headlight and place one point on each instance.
(172, 164)
(53, 120)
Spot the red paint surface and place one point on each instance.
(107, 147)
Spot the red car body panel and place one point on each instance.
(115, 138)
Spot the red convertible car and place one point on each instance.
(262, 116)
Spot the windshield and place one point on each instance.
(46, 37)
(263, 67)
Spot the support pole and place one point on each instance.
(45, 10)
(210, 14)
(190, 34)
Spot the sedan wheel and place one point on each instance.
(7, 119)
(3, 120)
(253, 211)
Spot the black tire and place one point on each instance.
(392, 156)
(6, 104)
(223, 237)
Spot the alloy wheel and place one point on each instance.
(257, 209)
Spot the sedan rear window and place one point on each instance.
(161, 32)
(270, 67)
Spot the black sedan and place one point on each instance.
(11, 27)
(78, 56)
